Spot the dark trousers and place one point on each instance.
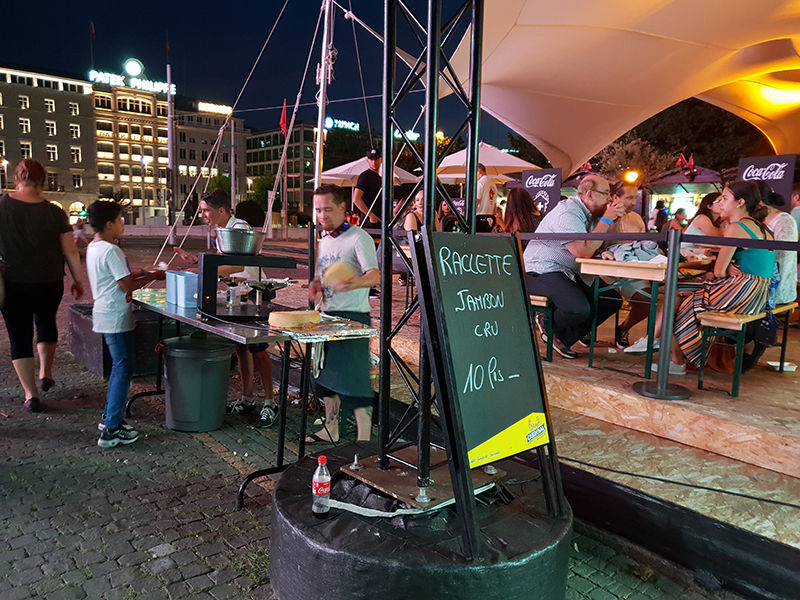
(572, 301)
(28, 304)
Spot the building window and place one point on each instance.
(24, 125)
(124, 150)
(24, 102)
(122, 128)
(52, 182)
(75, 153)
(203, 154)
(136, 150)
(49, 105)
(52, 152)
(47, 83)
(1, 95)
(102, 101)
(135, 105)
(162, 173)
(136, 131)
(182, 153)
(50, 128)
(74, 131)
(162, 109)
(25, 150)
(1, 122)
(190, 118)
(192, 139)
(22, 80)
(183, 189)
(308, 135)
(74, 110)
(105, 129)
(225, 157)
(192, 154)
(192, 171)
(77, 181)
(148, 151)
(105, 168)
(124, 170)
(2, 152)
(182, 170)
(163, 153)
(204, 171)
(105, 150)
(182, 136)
(162, 132)
(107, 192)
(147, 130)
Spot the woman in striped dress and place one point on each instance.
(741, 279)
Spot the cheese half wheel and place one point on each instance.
(338, 272)
(294, 318)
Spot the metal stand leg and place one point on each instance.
(283, 395)
(651, 328)
(305, 378)
(159, 368)
(737, 368)
(595, 300)
(707, 332)
(785, 339)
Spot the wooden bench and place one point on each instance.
(542, 304)
(731, 326)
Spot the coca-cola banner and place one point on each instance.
(544, 186)
(777, 171)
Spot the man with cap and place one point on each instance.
(366, 194)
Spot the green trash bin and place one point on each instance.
(196, 375)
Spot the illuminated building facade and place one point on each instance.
(49, 118)
(264, 150)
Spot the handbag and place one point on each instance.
(767, 330)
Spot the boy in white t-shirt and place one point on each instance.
(112, 283)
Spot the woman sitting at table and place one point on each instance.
(676, 222)
(521, 213)
(706, 221)
(741, 278)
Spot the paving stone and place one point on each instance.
(184, 557)
(74, 577)
(122, 577)
(580, 584)
(26, 577)
(194, 569)
(178, 589)
(199, 583)
(132, 559)
(601, 594)
(57, 568)
(45, 585)
(221, 576)
(224, 591)
(207, 550)
(69, 592)
(159, 565)
(161, 550)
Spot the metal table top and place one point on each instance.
(256, 331)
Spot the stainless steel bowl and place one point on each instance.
(239, 241)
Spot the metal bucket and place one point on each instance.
(239, 241)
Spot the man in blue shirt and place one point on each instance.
(552, 270)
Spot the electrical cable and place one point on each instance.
(680, 483)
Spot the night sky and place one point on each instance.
(214, 46)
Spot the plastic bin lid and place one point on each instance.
(198, 347)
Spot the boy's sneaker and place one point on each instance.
(586, 340)
(640, 346)
(268, 416)
(541, 325)
(109, 439)
(102, 425)
(621, 339)
(243, 407)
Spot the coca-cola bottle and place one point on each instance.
(321, 489)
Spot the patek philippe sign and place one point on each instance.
(777, 171)
(544, 186)
(133, 78)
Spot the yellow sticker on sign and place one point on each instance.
(525, 434)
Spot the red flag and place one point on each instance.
(587, 166)
(91, 28)
(691, 161)
(681, 161)
(283, 118)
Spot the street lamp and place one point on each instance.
(631, 176)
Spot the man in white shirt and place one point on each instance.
(215, 208)
(486, 202)
(344, 382)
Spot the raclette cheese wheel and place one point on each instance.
(293, 318)
(338, 272)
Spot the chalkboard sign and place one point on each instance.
(488, 350)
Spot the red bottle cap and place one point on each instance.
(322, 460)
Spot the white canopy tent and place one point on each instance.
(495, 160)
(572, 76)
(347, 175)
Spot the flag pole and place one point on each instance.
(91, 42)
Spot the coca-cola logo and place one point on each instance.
(543, 181)
(772, 171)
(321, 488)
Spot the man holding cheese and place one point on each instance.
(347, 267)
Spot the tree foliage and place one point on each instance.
(409, 162)
(527, 151)
(343, 146)
(259, 192)
(220, 182)
(630, 153)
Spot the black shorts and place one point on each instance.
(255, 348)
(27, 304)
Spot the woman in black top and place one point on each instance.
(35, 239)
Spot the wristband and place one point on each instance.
(605, 220)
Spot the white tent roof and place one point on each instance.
(572, 76)
(495, 160)
(347, 175)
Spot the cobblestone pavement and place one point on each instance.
(156, 519)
